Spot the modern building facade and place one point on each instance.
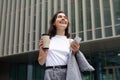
(22, 22)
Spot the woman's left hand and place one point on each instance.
(75, 46)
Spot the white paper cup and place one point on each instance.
(46, 41)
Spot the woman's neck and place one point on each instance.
(60, 33)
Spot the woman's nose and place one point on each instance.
(63, 18)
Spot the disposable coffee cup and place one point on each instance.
(46, 41)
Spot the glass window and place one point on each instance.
(106, 65)
(13, 72)
(73, 35)
(34, 28)
(80, 15)
(35, 3)
(59, 3)
(97, 13)
(89, 35)
(52, 10)
(22, 70)
(107, 15)
(29, 7)
(108, 32)
(98, 33)
(65, 7)
(117, 30)
(38, 71)
(88, 14)
(88, 76)
(81, 35)
(116, 4)
(73, 16)
(18, 72)
(34, 32)
(40, 17)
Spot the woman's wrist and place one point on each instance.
(75, 52)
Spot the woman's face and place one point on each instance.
(61, 21)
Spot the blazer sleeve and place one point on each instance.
(83, 63)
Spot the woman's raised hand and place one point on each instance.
(75, 46)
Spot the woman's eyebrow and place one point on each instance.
(63, 16)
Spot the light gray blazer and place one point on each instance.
(76, 65)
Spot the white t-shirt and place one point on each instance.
(59, 49)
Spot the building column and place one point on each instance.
(84, 20)
(93, 18)
(1, 5)
(55, 6)
(76, 18)
(7, 28)
(16, 27)
(112, 17)
(31, 25)
(62, 5)
(21, 26)
(3, 27)
(12, 25)
(27, 21)
(102, 18)
(37, 35)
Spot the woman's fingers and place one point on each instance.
(75, 46)
(40, 42)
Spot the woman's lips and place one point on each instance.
(63, 22)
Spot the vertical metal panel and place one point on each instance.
(49, 12)
(37, 24)
(62, 5)
(55, 5)
(84, 19)
(11, 40)
(29, 72)
(114, 74)
(21, 26)
(43, 17)
(112, 17)
(93, 19)
(31, 24)
(1, 5)
(3, 27)
(26, 25)
(69, 14)
(7, 28)
(76, 18)
(102, 18)
(16, 27)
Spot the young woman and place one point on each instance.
(56, 56)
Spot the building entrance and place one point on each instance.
(112, 73)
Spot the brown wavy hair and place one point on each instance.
(52, 29)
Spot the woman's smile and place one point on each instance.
(62, 22)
